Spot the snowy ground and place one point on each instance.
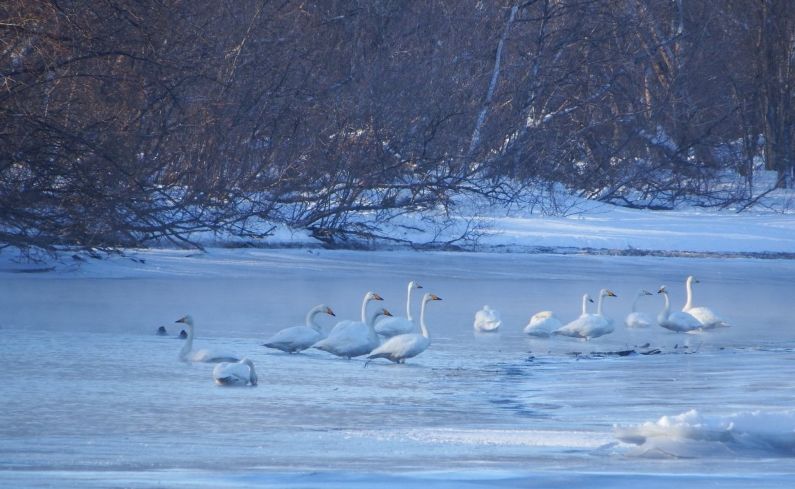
(587, 226)
(91, 398)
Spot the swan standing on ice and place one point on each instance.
(589, 326)
(637, 319)
(395, 325)
(238, 373)
(299, 338)
(399, 348)
(209, 356)
(352, 338)
(542, 324)
(487, 320)
(678, 321)
(705, 315)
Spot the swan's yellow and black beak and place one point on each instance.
(417, 286)
(435, 297)
(181, 320)
(662, 290)
(330, 312)
(377, 297)
(590, 300)
(386, 312)
(610, 293)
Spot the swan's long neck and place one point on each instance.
(408, 302)
(370, 320)
(689, 303)
(585, 304)
(188, 346)
(310, 318)
(252, 377)
(364, 307)
(423, 326)
(667, 308)
(599, 305)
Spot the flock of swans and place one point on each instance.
(593, 325)
(379, 334)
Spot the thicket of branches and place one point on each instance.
(123, 121)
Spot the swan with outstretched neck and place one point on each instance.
(186, 354)
(235, 374)
(395, 325)
(678, 321)
(637, 319)
(299, 338)
(399, 348)
(705, 315)
(589, 326)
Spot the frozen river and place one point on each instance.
(92, 398)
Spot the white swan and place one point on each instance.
(705, 315)
(399, 348)
(395, 325)
(637, 319)
(542, 324)
(369, 296)
(352, 338)
(237, 373)
(299, 338)
(589, 326)
(678, 321)
(487, 319)
(205, 355)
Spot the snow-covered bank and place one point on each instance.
(588, 227)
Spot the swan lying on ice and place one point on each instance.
(680, 322)
(299, 338)
(487, 320)
(589, 326)
(542, 324)
(235, 374)
(636, 319)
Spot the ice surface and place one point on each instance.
(691, 434)
(93, 398)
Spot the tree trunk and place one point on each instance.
(776, 52)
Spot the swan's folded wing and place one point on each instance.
(285, 335)
(706, 317)
(401, 346)
(392, 326)
(294, 337)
